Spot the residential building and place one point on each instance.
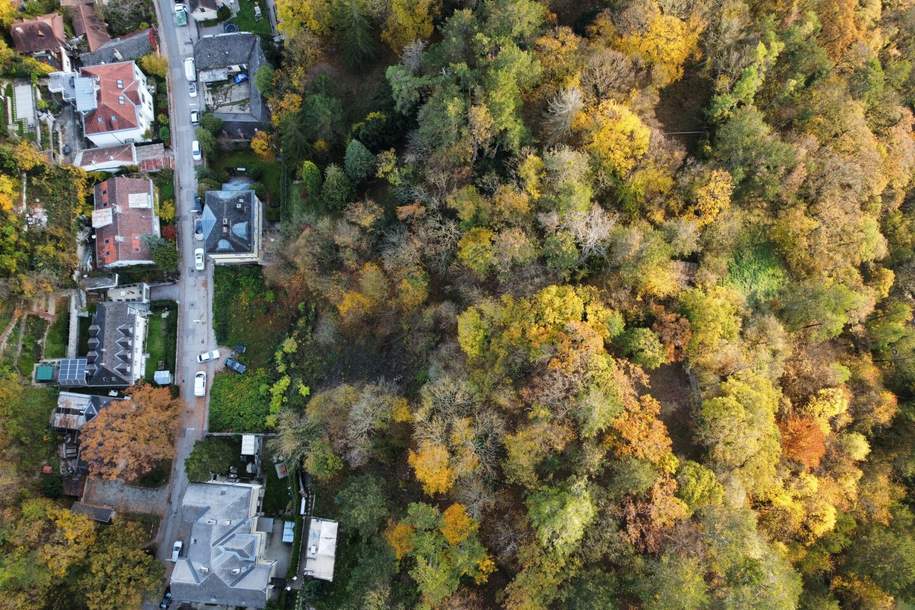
(123, 217)
(109, 159)
(320, 549)
(88, 25)
(226, 65)
(116, 358)
(231, 223)
(113, 99)
(223, 558)
(73, 411)
(133, 46)
(44, 39)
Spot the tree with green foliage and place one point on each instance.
(263, 79)
(164, 253)
(363, 506)
(358, 162)
(337, 188)
(211, 456)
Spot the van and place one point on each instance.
(190, 73)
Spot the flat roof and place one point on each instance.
(320, 549)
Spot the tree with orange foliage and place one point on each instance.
(262, 146)
(129, 438)
(803, 440)
(457, 525)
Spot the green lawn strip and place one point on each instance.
(31, 346)
(161, 337)
(58, 335)
(239, 403)
(27, 426)
(277, 492)
(245, 21)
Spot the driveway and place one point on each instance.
(194, 289)
(164, 292)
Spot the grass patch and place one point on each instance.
(267, 173)
(31, 346)
(165, 183)
(756, 271)
(277, 491)
(161, 337)
(59, 334)
(32, 441)
(239, 403)
(246, 22)
(245, 311)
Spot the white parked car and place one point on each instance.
(198, 259)
(200, 384)
(195, 117)
(176, 550)
(204, 356)
(192, 89)
(195, 150)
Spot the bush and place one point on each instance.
(165, 135)
(239, 403)
(211, 456)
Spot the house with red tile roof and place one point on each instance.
(125, 212)
(87, 23)
(123, 110)
(44, 39)
(109, 159)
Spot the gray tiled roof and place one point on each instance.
(238, 48)
(131, 46)
(228, 221)
(113, 335)
(221, 564)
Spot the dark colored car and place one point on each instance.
(198, 204)
(166, 600)
(235, 365)
(241, 348)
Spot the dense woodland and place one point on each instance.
(612, 302)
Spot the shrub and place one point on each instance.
(239, 403)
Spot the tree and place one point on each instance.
(120, 572)
(560, 515)
(431, 465)
(739, 429)
(129, 438)
(211, 456)
(358, 162)
(363, 505)
(353, 30)
(211, 122)
(263, 80)
(337, 189)
(675, 583)
(643, 347)
(7, 13)
(155, 64)
(262, 146)
(803, 441)
(164, 253)
(616, 137)
(207, 141)
(409, 21)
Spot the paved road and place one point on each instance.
(195, 289)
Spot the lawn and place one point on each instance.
(161, 337)
(277, 493)
(55, 345)
(246, 22)
(165, 183)
(31, 346)
(267, 173)
(27, 426)
(246, 311)
(239, 403)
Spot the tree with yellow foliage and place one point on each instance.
(408, 21)
(666, 44)
(262, 145)
(432, 468)
(615, 136)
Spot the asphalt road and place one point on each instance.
(194, 289)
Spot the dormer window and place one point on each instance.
(121, 100)
(120, 84)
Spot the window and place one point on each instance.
(120, 84)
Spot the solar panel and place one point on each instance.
(72, 371)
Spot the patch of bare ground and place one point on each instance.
(670, 386)
(681, 109)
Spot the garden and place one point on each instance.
(246, 21)
(240, 403)
(161, 337)
(267, 175)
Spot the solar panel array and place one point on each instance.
(72, 371)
